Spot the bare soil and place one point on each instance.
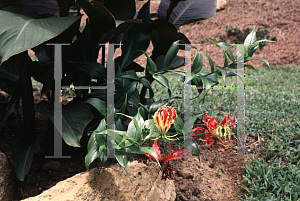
(193, 180)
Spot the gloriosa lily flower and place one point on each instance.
(164, 118)
(167, 168)
(215, 131)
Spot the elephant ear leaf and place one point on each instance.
(187, 11)
(163, 35)
(17, 37)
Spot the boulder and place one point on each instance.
(112, 183)
(6, 179)
(221, 4)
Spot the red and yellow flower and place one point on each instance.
(215, 130)
(164, 118)
(167, 168)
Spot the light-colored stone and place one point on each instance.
(6, 179)
(112, 184)
(221, 4)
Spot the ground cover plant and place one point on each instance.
(274, 172)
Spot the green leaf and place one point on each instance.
(5, 74)
(134, 99)
(149, 124)
(121, 9)
(120, 94)
(250, 39)
(122, 109)
(178, 124)
(95, 12)
(223, 72)
(137, 37)
(162, 80)
(206, 82)
(193, 146)
(197, 63)
(252, 58)
(238, 56)
(134, 130)
(154, 106)
(189, 144)
(122, 159)
(75, 117)
(135, 121)
(22, 156)
(131, 74)
(223, 46)
(211, 63)
(189, 124)
(176, 63)
(99, 104)
(93, 151)
(227, 49)
(163, 35)
(13, 103)
(172, 52)
(17, 37)
(142, 150)
(147, 84)
(151, 66)
(94, 69)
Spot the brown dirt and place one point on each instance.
(280, 17)
(193, 180)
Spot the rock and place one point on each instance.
(112, 184)
(221, 4)
(6, 179)
(51, 166)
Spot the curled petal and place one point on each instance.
(172, 155)
(208, 139)
(232, 124)
(157, 150)
(226, 120)
(165, 115)
(197, 130)
(212, 125)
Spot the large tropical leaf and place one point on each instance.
(187, 11)
(75, 117)
(41, 6)
(121, 9)
(22, 155)
(17, 31)
(137, 37)
(163, 35)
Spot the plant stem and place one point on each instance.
(27, 99)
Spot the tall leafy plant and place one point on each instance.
(109, 21)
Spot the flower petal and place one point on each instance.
(197, 130)
(171, 156)
(208, 139)
(157, 150)
(226, 120)
(232, 124)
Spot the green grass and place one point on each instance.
(273, 111)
